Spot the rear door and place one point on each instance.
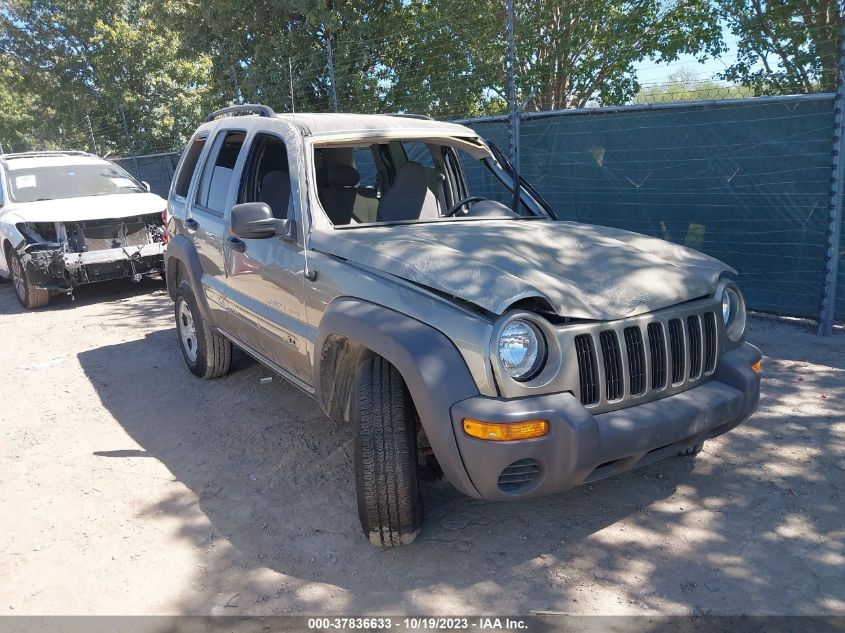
(210, 198)
(265, 277)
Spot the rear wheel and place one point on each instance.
(384, 423)
(207, 354)
(29, 296)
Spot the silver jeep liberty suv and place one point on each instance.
(384, 265)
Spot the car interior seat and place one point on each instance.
(409, 198)
(336, 186)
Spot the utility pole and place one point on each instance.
(837, 193)
(239, 99)
(129, 147)
(514, 107)
(330, 55)
(91, 132)
(290, 75)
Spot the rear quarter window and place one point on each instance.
(189, 165)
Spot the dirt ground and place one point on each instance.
(131, 487)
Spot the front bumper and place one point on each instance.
(582, 447)
(59, 270)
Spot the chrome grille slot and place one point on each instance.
(636, 360)
(694, 345)
(612, 357)
(587, 369)
(657, 349)
(709, 342)
(676, 349)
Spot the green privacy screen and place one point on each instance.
(745, 181)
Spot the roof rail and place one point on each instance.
(255, 108)
(411, 115)
(58, 152)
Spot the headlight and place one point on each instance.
(733, 313)
(522, 350)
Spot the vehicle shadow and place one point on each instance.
(273, 477)
(89, 294)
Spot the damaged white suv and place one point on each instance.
(71, 218)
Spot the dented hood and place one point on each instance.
(119, 205)
(584, 271)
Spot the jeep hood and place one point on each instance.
(583, 271)
(119, 205)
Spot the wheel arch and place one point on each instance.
(181, 259)
(431, 366)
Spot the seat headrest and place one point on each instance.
(342, 176)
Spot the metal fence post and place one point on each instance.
(129, 147)
(837, 193)
(512, 104)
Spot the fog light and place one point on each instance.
(500, 432)
(757, 367)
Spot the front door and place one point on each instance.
(265, 277)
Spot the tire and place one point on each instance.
(28, 295)
(386, 483)
(693, 450)
(207, 354)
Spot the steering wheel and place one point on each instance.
(453, 210)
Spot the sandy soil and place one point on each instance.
(131, 487)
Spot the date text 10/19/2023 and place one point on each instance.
(420, 623)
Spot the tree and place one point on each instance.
(90, 63)
(682, 85)
(785, 46)
(568, 51)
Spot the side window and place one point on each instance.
(192, 154)
(266, 176)
(366, 166)
(419, 153)
(218, 170)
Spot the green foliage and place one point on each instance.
(73, 70)
(683, 86)
(785, 46)
(85, 64)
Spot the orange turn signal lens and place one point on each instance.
(757, 367)
(501, 432)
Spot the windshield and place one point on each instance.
(409, 181)
(68, 181)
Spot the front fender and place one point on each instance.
(430, 364)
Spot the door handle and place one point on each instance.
(192, 224)
(236, 244)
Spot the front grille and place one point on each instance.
(656, 355)
(519, 475)
(636, 360)
(694, 344)
(657, 348)
(709, 342)
(587, 370)
(612, 364)
(676, 349)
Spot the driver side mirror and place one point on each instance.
(254, 220)
(145, 185)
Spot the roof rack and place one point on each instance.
(59, 152)
(255, 108)
(411, 115)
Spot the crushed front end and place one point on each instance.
(62, 255)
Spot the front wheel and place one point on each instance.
(207, 353)
(384, 423)
(29, 296)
